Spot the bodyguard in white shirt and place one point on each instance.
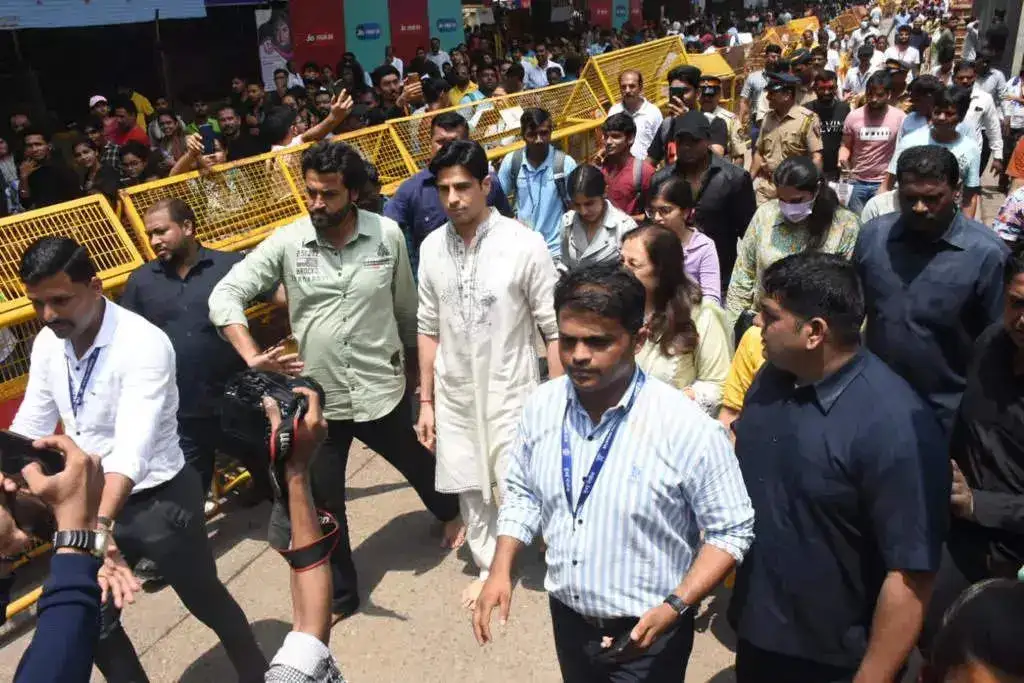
(645, 115)
(109, 376)
(983, 120)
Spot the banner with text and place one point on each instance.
(274, 37)
(318, 27)
(446, 22)
(620, 15)
(636, 13)
(367, 31)
(409, 28)
(601, 13)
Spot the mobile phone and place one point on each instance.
(16, 451)
(676, 91)
(209, 138)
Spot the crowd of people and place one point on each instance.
(783, 332)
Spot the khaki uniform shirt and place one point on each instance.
(352, 310)
(803, 97)
(798, 133)
(735, 146)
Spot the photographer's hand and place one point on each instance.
(309, 433)
(275, 359)
(12, 539)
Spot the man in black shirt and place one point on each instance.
(724, 191)
(44, 181)
(846, 468)
(238, 143)
(833, 112)
(986, 538)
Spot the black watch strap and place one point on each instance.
(79, 539)
(676, 603)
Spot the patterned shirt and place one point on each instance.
(352, 309)
(669, 475)
(1009, 222)
(768, 239)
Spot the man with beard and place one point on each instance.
(44, 180)
(172, 293)
(352, 308)
(832, 113)
(487, 79)
(869, 140)
(857, 77)
(238, 142)
(388, 86)
(789, 130)
(683, 93)
(127, 128)
(932, 280)
(646, 116)
(904, 52)
(477, 351)
(107, 376)
(463, 91)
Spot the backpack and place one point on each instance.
(558, 166)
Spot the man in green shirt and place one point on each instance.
(352, 308)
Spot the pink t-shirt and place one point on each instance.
(872, 141)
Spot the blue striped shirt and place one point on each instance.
(670, 473)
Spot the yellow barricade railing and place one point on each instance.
(653, 60)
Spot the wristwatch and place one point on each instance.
(676, 603)
(92, 542)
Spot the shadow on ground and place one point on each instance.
(713, 618)
(214, 665)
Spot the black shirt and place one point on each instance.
(663, 146)
(849, 479)
(927, 302)
(179, 307)
(988, 446)
(245, 145)
(52, 183)
(832, 118)
(724, 208)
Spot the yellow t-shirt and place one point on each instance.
(144, 108)
(745, 364)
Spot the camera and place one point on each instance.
(242, 415)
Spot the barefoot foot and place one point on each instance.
(454, 534)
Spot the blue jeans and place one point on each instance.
(862, 192)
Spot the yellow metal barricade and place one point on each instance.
(90, 221)
(654, 60)
(715, 65)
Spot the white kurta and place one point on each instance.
(484, 303)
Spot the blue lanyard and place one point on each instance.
(602, 451)
(78, 397)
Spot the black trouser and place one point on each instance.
(391, 436)
(754, 665)
(167, 526)
(578, 643)
(986, 154)
(199, 438)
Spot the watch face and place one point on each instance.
(99, 544)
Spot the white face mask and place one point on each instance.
(794, 213)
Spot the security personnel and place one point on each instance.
(789, 130)
(804, 94)
(710, 96)
(899, 72)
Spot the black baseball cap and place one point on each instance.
(692, 123)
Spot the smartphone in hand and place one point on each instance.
(17, 451)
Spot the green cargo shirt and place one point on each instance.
(352, 311)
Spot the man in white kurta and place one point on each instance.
(486, 285)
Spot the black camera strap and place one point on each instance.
(317, 552)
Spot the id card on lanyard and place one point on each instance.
(602, 451)
(77, 397)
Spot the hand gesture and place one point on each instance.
(341, 106)
(275, 359)
(997, 167)
(28, 167)
(194, 145)
(116, 579)
(497, 592)
(425, 427)
(961, 498)
(12, 539)
(677, 107)
(652, 624)
(74, 493)
(309, 433)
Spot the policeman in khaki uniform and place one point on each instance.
(789, 130)
(804, 94)
(710, 96)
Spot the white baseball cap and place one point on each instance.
(96, 99)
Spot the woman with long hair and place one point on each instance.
(673, 206)
(592, 230)
(805, 216)
(172, 143)
(97, 177)
(687, 345)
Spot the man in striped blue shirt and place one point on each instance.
(621, 473)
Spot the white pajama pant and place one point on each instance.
(481, 519)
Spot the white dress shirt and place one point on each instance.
(439, 59)
(983, 120)
(670, 474)
(129, 410)
(648, 119)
